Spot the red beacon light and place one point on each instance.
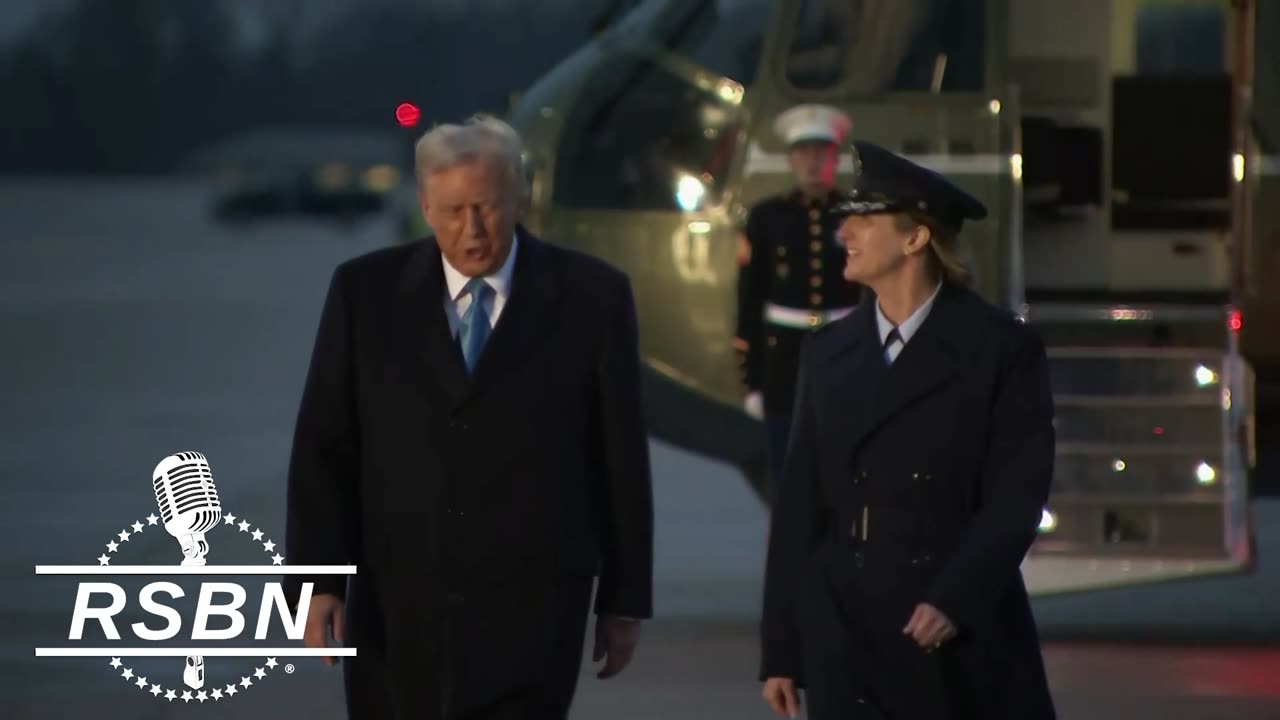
(1235, 320)
(407, 114)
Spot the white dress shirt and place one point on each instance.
(906, 329)
(457, 301)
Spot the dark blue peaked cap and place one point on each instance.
(884, 181)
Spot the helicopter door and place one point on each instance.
(1260, 236)
(914, 76)
(1126, 285)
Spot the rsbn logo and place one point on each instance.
(190, 511)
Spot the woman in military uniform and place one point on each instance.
(919, 463)
(791, 282)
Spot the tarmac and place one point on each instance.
(134, 328)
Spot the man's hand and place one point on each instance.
(753, 404)
(617, 638)
(929, 627)
(324, 612)
(780, 693)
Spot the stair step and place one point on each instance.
(1084, 477)
(1110, 449)
(1135, 524)
(1169, 427)
(1116, 377)
(1153, 326)
(1138, 401)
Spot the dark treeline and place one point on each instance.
(135, 86)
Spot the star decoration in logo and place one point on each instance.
(156, 689)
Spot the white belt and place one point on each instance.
(798, 318)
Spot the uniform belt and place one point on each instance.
(801, 318)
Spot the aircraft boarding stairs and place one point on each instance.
(1154, 442)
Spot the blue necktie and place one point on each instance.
(893, 337)
(474, 326)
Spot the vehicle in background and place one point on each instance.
(333, 174)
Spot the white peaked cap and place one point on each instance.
(808, 123)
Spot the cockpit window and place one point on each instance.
(640, 137)
(866, 47)
(725, 36)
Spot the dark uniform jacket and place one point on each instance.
(795, 262)
(476, 509)
(920, 481)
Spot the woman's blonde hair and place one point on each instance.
(944, 246)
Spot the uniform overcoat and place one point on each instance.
(917, 481)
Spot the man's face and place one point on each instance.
(473, 209)
(814, 164)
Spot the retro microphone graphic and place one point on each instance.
(188, 502)
(189, 506)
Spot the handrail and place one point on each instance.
(1016, 276)
(1242, 278)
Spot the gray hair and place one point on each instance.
(481, 138)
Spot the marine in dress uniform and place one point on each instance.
(920, 460)
(791, 283)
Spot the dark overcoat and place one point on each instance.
(477, 508)
(917, 482)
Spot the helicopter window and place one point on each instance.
(725, 37)
(643, 138)
(866, 47)
(1180, 40)
(1266, 84)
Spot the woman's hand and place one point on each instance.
(929, 627)
(780, 693)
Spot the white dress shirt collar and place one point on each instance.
(500, 281)
(911, 324)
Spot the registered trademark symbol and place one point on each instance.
(288, 669)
